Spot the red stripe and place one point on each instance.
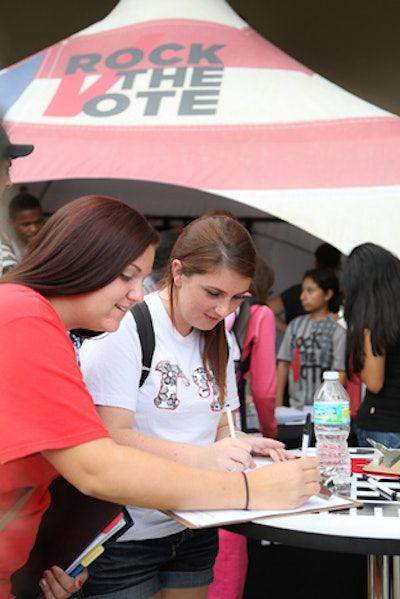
(351, 153)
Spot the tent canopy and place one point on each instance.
(187, 94)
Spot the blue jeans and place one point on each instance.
(391, 440)
(139, 569)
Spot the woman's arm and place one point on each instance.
(113, 472)
(373, 373)
(216, 456)
(283, 374)
(342, 377)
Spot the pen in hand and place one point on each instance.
(307, 430)
(232, 432)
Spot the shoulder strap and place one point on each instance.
(145, 330)
(242, 319)
(239, 330)
(17, 507)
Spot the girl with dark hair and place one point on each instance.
(85, 270)
(371, 280)
(312, 343)
(180, 411)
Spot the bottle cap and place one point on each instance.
(331, 375)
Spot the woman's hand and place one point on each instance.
(56, 584)
(235, 453)
(271, 448)
(284, 485)
(231, 453)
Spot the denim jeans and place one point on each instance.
(391, 440)
(138, 569)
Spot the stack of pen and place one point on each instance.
(373, 488)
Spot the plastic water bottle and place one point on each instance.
(331, 428)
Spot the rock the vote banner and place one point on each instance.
(174, 71)
(197, 103)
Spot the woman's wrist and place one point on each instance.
(247, 490)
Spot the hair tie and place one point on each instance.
(246, 484)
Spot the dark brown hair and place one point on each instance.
(371, 282)
(83, 246)
(206, 244)
(263, 279)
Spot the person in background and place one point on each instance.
(312, 343)
(25, 216)
(259, 344)
(371, 282)
(179, 412)
(288, 301)
(257, 359)
(85, 270)
(159, 272)
(8, 152)
(7, 256)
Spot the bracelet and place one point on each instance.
(246, 484)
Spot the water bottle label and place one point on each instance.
(331, 413)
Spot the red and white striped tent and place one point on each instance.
(187, 94)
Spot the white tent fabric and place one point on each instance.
(187, 94)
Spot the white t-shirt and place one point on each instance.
(177, 402)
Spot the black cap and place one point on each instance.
(12, 150)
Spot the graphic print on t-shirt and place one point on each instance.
(313, 353)
(207, 385)
(167, 397)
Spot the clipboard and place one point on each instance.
(382, 469)
(73, 524)
(211, 518)
(323, 502)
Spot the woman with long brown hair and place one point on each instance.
(85, 270)
(180, 410)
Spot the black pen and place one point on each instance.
(361, 450)
(385, 491)
(307, 430)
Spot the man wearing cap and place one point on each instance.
(8, 152)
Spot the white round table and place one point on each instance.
(373, 530)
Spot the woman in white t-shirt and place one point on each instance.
(180, 411)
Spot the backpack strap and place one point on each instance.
(239, 329)
(144, 323)
(242, 319)
(241, 322)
